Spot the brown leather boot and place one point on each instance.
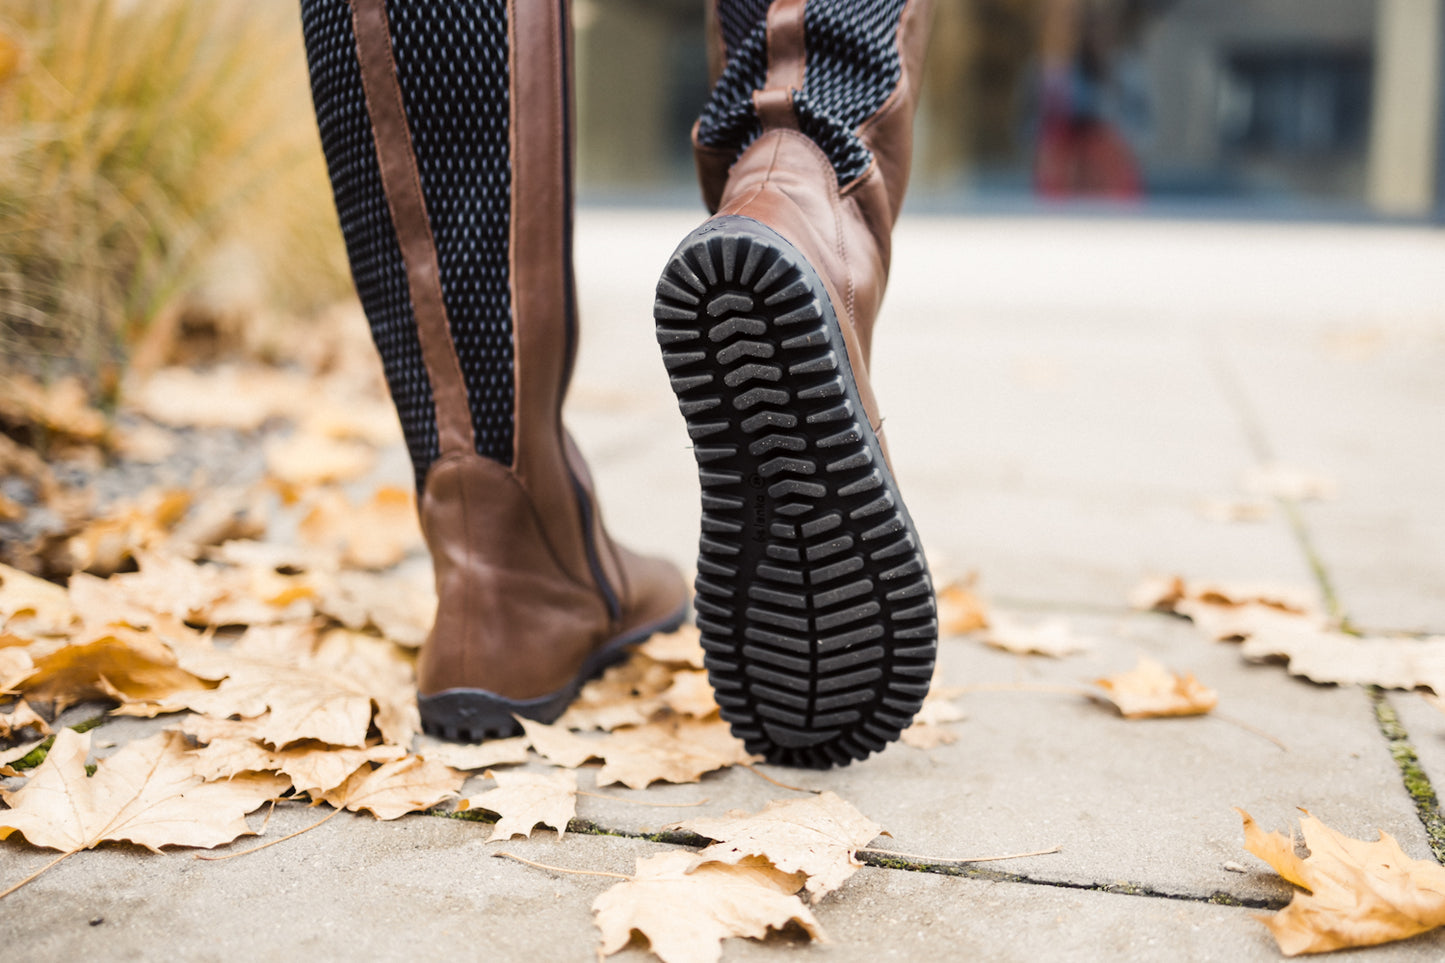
(813, 596)
(533, 597)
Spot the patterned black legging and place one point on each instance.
(452, 64)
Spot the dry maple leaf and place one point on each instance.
(493, 752)
(15, 666)
(525, 800)
(375, 534)
(20, 718)
(407, 785)
(30, 606)
(312, 767)
(61, 407)
(686, 909)
(1359, 893)
(105, 544)
(927, 731)
(817, 836)
(299, 689)
(122, 664)
(559, 746)
(690, 694)
(1293, 484)
(628, 694)
(399, 605)
(682, 647)
(15, 753)
(670, 750)
(1053, 637)
(1149, 690)
(303, 461)
(960, 610)
(1334, 657)
(1166, 592)
(147, 793)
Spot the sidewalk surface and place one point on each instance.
(1061, 397)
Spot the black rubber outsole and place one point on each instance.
(813, 598)
(476, 715)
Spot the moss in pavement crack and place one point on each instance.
(37, 755)
(1417, 783)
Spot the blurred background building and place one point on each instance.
(1288, 108)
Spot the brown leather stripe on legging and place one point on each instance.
(400, 177)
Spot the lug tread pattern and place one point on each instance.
(814, 602)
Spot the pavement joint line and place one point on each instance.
(1258, 441)
(1407, 760)
(1295, 518)
(879, 860)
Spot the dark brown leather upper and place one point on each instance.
(786, 181)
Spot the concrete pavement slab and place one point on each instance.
(1144, 803)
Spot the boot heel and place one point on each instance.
(813, 597)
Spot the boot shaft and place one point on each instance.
(844, 72)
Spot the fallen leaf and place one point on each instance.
(302, 461)
(119, 663)
(493, 752)
(682, 647)
(312, 767)
(557, 745)
(1359, 893)
(1166, 592)
(298, 688)
(375, 534)
(627, 694)
(15, 666)
(400, 605)
(690, 694)
(525, 800)
(677, 750)
(407, 785)
(960, 610)
(144, 443)
(1231, 623)
(228, 396)
(927, 730)
(107, 543)
(62, 408)
(685, 910)
(16, 753)
(1149, 690)
(1053, 637)
(20, 718)
(1293, 484)
(30, 606)
(817, 836)
(1234, 510)
(1334, 657)
(146, 793)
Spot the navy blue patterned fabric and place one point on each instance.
(452, 63)
(850, 69)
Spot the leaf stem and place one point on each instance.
(38, 872)
(216, 859)
(641, 802)
(762, 775)
(560, 869)
(958, 859)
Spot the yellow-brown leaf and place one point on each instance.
(1359, 893)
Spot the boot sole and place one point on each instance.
(813, 597)
(476, 715)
